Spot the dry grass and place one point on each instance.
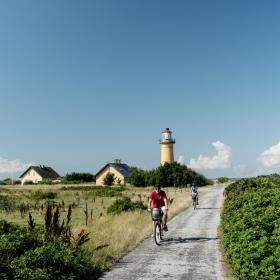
(121, 232)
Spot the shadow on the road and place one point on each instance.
(201, 208)
(172, 240)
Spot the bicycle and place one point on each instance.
(157, 214)
(194, 201)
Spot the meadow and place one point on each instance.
(110, 235)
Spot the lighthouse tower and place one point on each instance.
(166, 142)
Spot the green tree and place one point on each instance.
(109, 179)
(137, 178)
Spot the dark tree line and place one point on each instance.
(173, 174)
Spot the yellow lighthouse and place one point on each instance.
(166, 142)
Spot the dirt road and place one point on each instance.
(189, 251)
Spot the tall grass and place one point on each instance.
(116, 234)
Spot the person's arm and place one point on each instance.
(150, 204)
(165, 203)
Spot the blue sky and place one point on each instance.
(84, 82)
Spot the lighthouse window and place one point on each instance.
(166, 136)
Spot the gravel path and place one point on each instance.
(190, 249)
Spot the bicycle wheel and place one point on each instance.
(194, 204)
(161, 230)
(157, 234)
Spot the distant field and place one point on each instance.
(120, 233)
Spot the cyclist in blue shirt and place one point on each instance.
(194, 192)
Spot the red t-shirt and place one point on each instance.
(158, 198)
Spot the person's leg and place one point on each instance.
(197, 199)
(153, 226)
(193, 198)
(164, 218)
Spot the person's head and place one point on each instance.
(157, 187)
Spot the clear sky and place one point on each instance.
(84, 82)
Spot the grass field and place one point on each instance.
(118, 233)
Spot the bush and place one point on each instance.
(107, 191)
(97, 190)
(29, 182)
(78, 178)
(251, 227)
(38, 195)
(125, 204)
(223, 180)
(44, 253)
(109, 179)
(53, 261)
(7, 203)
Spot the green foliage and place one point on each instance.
(173, 174)
(29, 182)
(125, 204)
(138, 177)
(49, 253)
(109, 179)
(49, 182)
(9, 181)
(7, 203)
(78, 188)
(105, 191)
(77, 178)
(53, 261)
(251, 227)
(38, 195)
(223, 180)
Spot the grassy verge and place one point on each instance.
(116, 234)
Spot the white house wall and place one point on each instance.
(31, 175)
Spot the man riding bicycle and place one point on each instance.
(194, 192)
(159, 200)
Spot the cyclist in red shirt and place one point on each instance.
(159, 200)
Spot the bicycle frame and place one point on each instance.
(158, 228)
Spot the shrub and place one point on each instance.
(53, 261)
(38, 195)
(28, 182)
(78, 178)
(125, 204)
(97, 190)
(109, 179)
(223, 180)
(53, 253)
(251, 227)
(107, 191)
(7, 203)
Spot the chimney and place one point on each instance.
(117, 161)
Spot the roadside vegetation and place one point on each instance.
(113, 220)
(251, 227)
(114, 217)
(223, 180)
(50, 252)
(9, 181)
